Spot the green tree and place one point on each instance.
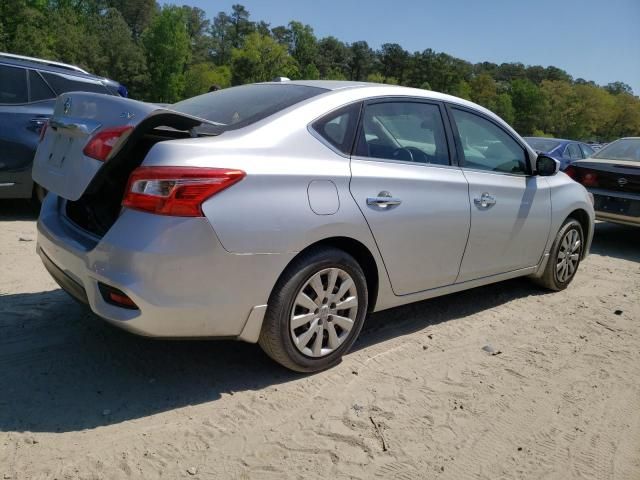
(167, 48)
(261, 59)
(333, 59)
(394, 61)
(304, 49)
(529, 105)
(360, 62)
(200, 77)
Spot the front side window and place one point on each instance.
(486, 146)
(403, 131)
(13, 85)
(339, 127)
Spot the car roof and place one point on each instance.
(561, 140)
(46, 66)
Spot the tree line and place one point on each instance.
(167, 53)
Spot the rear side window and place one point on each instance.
(573, 152)
(39, 90)
(339, 127)
(587, 151)
(13, 85)
(68, 83)
(238, 107)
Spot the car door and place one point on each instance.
(25, 105)
(412, 195)
(510, 208)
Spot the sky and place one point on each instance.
(591, 39)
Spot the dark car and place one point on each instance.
(565, 151)
(612, 175)
(28, 88)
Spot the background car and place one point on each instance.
(283, 213)
(565, 151)
(28, 87)
(612, 175)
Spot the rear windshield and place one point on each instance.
(623, 149)
(238, 107)
(542, 144)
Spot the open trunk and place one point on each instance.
(93, 188)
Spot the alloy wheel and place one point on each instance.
(568, 255)
(324, 312)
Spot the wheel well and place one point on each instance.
(583, 218)
(361, 254)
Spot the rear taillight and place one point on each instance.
(43, 130)
(105, 141)
(571, 171)
(177, 191)
(588, 179)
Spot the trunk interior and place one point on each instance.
(99, 207)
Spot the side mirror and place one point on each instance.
(547, 166)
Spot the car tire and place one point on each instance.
(305, 329)
(39, 192)
(564, 257)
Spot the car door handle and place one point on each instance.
(486, 200)
(384, 199)
(36, 124)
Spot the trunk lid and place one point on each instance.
(60, 164)
(613, 175)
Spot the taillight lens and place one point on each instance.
(589, 179)
(571, 171)
(43, 130)
(177, 191)
(586, 178)
(104, 142)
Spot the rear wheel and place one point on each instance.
(565, 256)
(316, 311)
(39, 192)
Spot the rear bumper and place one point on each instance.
(617, 207)
(175, 270)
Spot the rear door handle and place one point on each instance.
(36, 124)
(383, 200)
(486, 200)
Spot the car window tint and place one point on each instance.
(574, 151)
(338, 128)
(486, 146)
(404, 131)
(39, 90)
(587, 151)
(67, 83)
(237, 107)
(13, 85)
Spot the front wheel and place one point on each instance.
(316, 311)
(565, 256)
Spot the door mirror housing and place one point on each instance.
(547, 166)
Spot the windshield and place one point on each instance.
(623, 149)
(542, 144)
(238, 107)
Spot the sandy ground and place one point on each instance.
(417, 398)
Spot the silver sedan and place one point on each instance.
(283, 213)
